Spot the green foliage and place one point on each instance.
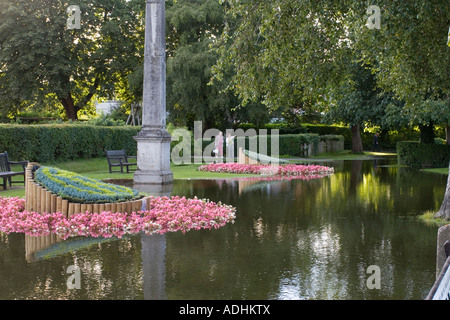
(294, 145)
(105, 121)
(303, 54)
(423, 155)
(388, 138)
(192, 28)
(287, 53)
(331, 137)
(44, 143)
(76, 188)
(411, 59)
(41, 59)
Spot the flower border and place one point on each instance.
(166, 214)
(285, 170)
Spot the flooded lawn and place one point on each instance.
(298, 239)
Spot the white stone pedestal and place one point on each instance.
(153, 158)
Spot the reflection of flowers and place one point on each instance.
(288, 170)
(166, 214)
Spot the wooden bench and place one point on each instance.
(6, 172)
(119, 158)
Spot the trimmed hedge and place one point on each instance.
(62, 142)
(423, 155)
(43, 143)
(76, 188)
(388, 140)
(294, 145)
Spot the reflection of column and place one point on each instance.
(154, 250)
(153, 141)
(153, 265)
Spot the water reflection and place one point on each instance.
(153, 264)
(292, 240)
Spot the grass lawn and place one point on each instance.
(437, 170)
(97, 168)
(348, 155)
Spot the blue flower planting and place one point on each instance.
(80, 189)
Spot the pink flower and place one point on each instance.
(167, 214)
(290, 171)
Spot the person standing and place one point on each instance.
(219, 144)
(229, 141)
(375, 143)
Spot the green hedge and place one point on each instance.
(388, 140)
(289, 144)
(331, 137)
(44, 143)
(420, 155)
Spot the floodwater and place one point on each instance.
(298, 239)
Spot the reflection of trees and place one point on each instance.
(314, 239)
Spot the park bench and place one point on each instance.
(6, 172)
(119, 158)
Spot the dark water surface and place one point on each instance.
(291, 240)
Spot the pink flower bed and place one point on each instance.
(286, 170)
(167, 214)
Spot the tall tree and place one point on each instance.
(41, 57)
(359, 102)
(411, 59)
(287, 53)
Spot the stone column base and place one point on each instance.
(153, 158)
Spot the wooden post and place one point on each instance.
(53, 203)
(48, 202)
(77, 208)
(71, 210)
(65, 207)
(58, 204)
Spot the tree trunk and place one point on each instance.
(447, 135)
(356, 139)
(69, 107)
(444, 211)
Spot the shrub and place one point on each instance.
(388, 139)
(43, 143)
(420, 155)
(294, 145)
(80, 189)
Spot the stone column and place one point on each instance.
(153, 141)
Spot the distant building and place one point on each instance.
(107, 107)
